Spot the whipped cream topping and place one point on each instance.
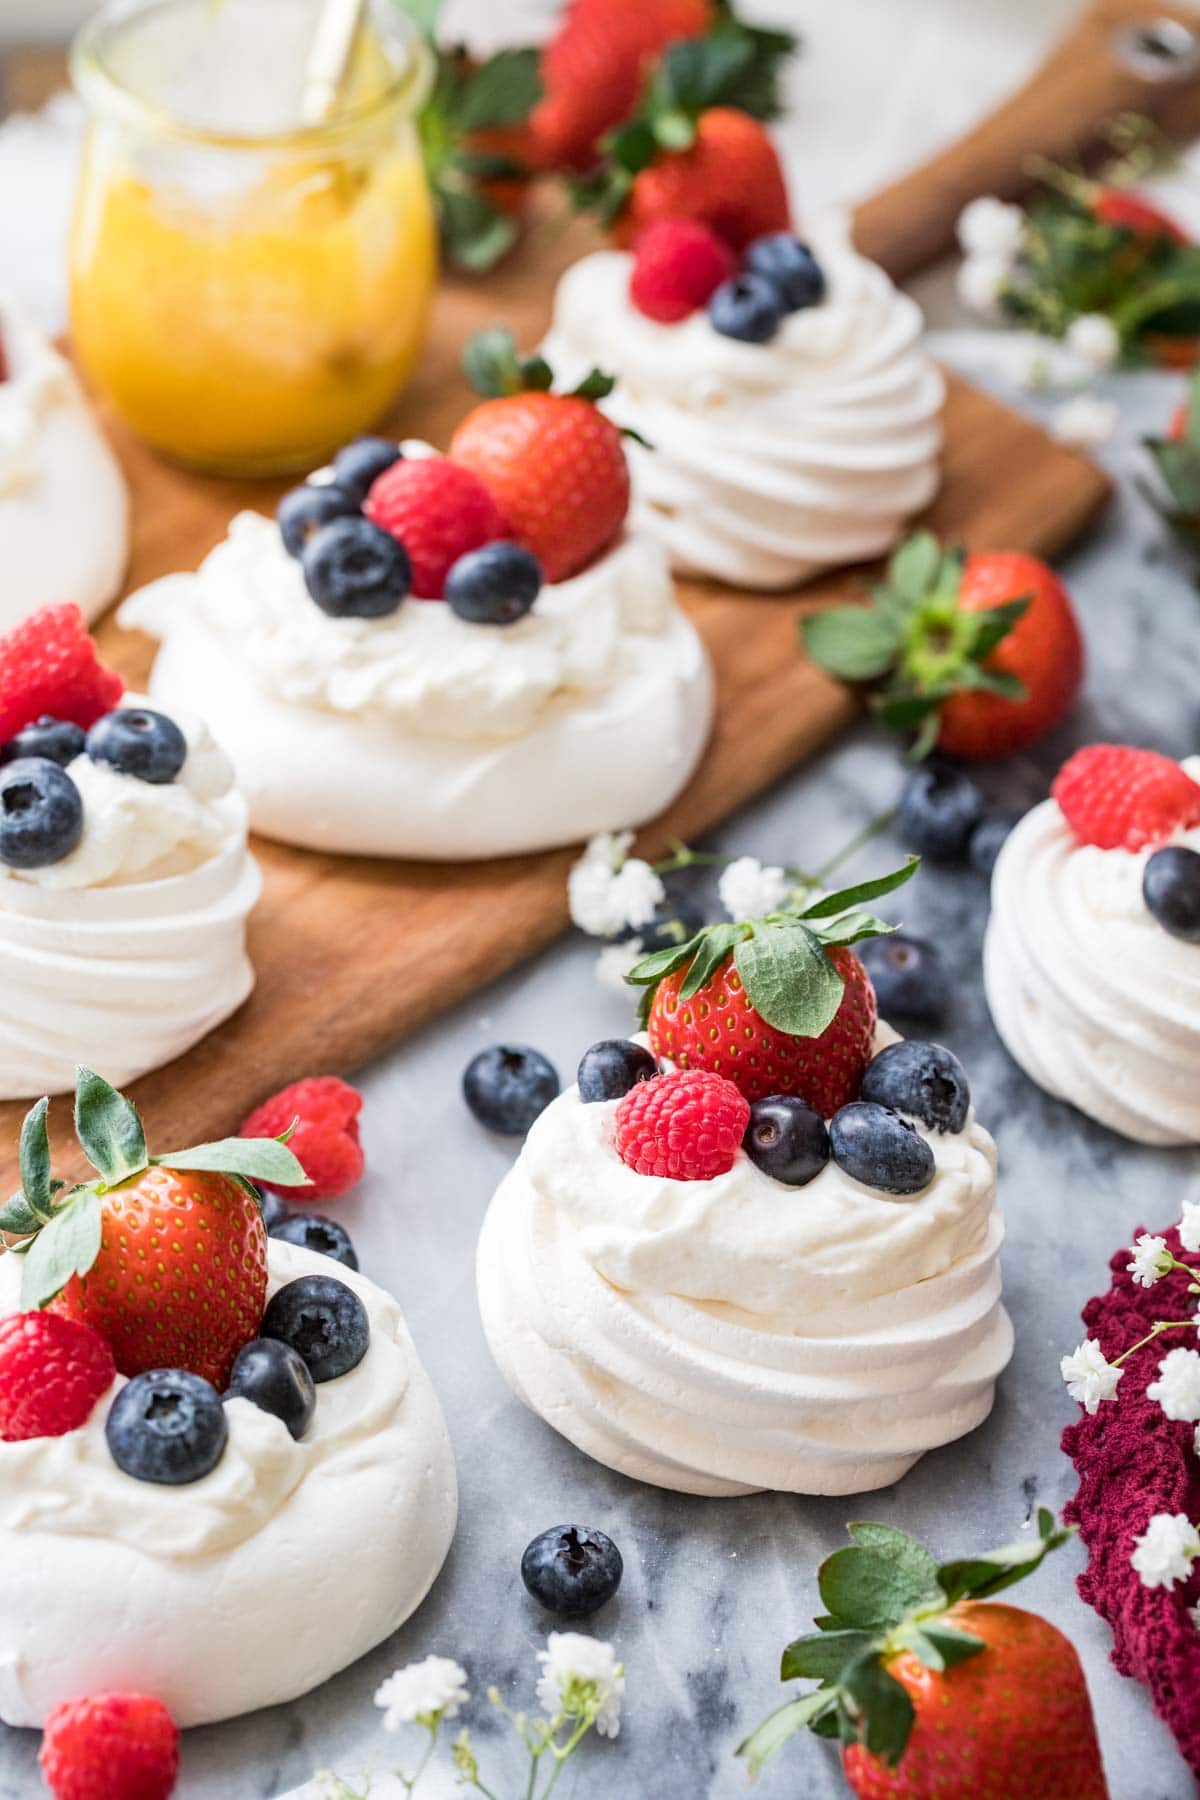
(770, 461)
(1093, 998)
(718, 1337)
(117, 1583)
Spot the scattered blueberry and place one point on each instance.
(610, 1068)
(274, 1208)
(923, 1081)
(41, 813)
(276, 1379)
(790, 266)
(988, 839)
(908, 976)
(749, 308)
(322, 1319)
(878, 1148)
(167, 1426)
(1171, 889)
(305, 509)
(313, 1231)
(356, 570)
(54, 740)
(787, 1139)
(674, 922)
(495, 585)
(939, 809)
(363, 462)
(507, 1086)
(135, 741)
(572, 1570)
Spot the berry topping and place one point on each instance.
(572, 1570)
(312, 1231)
(52, 1372)
(508, 1085)
(875, 1146)
(167, 1426)
(609, 1069)
(939, 809)
(324, 1111)
(276, 1379)
(324, 1321)
(135, 741)
(748, 308)
(678, 266)
(48, 665)
(787, 1139)
(909, 978)
(1118, 798)
(41, 813)
(110, 1747)
(496, 585)
(355, 570)
(51, 740)
(305, 509)
(685, 1126)
(362, 462)
(1171, 890)
(923, 1081)
(438, 510)
(791, 266)
(988, 839)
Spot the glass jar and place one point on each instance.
(246, 291)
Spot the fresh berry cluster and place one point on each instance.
(682, 264)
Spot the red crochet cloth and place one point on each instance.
(1132, 1461)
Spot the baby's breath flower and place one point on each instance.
(582, 1678)
(1085, 421)
(1177, 1389)
(1094, 339)
(980, 282)
(1151, 1260)
(1090, 1378)
(1189, 1226)
(1166, 1550)
(608, 892)
(990, 227)
(614, 963)
(748, 890)
(422, 1693)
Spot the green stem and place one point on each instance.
(567, 1750)
(872, 830)
(1155, 1331)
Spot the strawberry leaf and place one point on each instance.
(937, 1646)
(257, 1159)
(831, 904)
(37, 1189)
(109, 1129)
(914, 568)
(789, 980)
(994, 625)
(502, 91)
(67, 1246)
(979, 1577)
(885, 1712)
(857, 643)
(871, 1586)
(715, 946)
(823, 1655)
(648, 971)
(774, 1732)
(18, 1219)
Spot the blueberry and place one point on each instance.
(908, 976)
(611, 1067)
(135, 741)
(54, 740)
(1171, 889)
(939, 809)
(356, 570)
(41, 813)
(674, 922)
(167, 1426)
(880, 1149)
(507, 1086)
(790, 266)
(572, 1570)
(749, 308)
(988, 839)
(313, 1231)
(305, 509)
(274, 1208)
(787, 1139)
(923, 1081)
(362, 462)
(495, 585)
(324, 1320)
(276, 1379)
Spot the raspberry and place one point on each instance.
(679, 265)
(326, 1136)
(1123, 799)
(439, 511)
(110, 1747)
(687, 1126)
(48, 664)
(52, 1372)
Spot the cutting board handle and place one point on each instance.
(1120, 56)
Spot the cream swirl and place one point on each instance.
(769, 461)
(114, 1582)
(718, 1337)
(1093, 998)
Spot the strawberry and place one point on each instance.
(729, 177)
(110, 1747)
(678, 267)
(438, 510)
(1118, 798)
(981, 654)
(554, 465)
(936, 1691)
(1127, 211)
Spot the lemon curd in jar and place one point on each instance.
(246, 292)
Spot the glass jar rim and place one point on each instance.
(105, 93)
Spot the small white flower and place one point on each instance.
(580, 1674)
(991, 227)
(604, 900)
(1177, 1389)
(610, 848)
(614, 963)
(424, 1691)
(748, 890)
(1094, 339)
(1090, 1378)
(1166, 1550)
(1085, 421)
(1151, 1260)
(1189, 1226)
(978, 284)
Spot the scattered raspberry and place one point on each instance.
(688, 1125)
(52, 1372)
(438, 510)
(325, 1140)
(48, 664)
(110, 1747)
(1123, 799)
(678, 267)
